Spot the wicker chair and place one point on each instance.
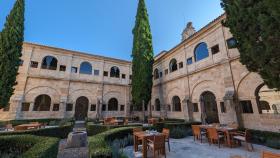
(197, 133)
(166, 133)
(266, 154)
(20, 128)
(214, 136)
(157, 144)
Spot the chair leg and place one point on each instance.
(168, 146)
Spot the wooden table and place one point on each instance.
(30, 126)
(225, 130)
(142, 136)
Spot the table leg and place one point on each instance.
(144, 146)
(135, 143)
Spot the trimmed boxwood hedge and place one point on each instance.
(98, 144)
(19, 122)
(93, 129)
(267, 138)
(27, 146)
(58, 132)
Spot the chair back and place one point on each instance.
(196, 129)
(166, 133)
(137, 130)
(266, 154)
(212, 133)
(159, 142)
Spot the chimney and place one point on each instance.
(188, 31)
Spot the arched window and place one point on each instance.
(113, 104)
(85, 68)
(42, 103)
(156, 74)
(201, 51)
(173, 65)
(176, 103)
(266, 98)
(157, 103)
(49, 62)
(115, 72)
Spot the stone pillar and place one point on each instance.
(188, 109)
(98, 107)
(203, 112)
(233, 112)
(62, 107)
(15, 106)
(31, 106)
(127, 109)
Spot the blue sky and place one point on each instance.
(104, 27)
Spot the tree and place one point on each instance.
(255, 24)
(11, 41)
(142, 54)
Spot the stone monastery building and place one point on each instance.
(200, 79)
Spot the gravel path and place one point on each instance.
(187, 148)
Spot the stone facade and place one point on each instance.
(209, 87)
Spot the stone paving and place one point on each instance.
(187, 148)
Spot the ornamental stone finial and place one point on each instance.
(188, 31)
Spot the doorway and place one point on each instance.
(209, 108)
(81, 108)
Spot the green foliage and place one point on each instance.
(255, 24)
(58, 132)
(270, 139)
(99, 144)
(11, 41)
(178, 133)
(142, 58)
(27, 146)
(93, 129)
(47, 121)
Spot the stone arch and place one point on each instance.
(202, 86)
(32, 93)
(75, 94)
(81, 108)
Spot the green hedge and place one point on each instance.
(98, 144)
(270, 139)
(58, 132)
(93, 129)
(18, 122)
(27, 146)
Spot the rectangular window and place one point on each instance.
(189, 61)
(160, 74)
(215, 49)
(122, 107)
(69, 107)
(130, 77)
(62, 68)
(34, 64)
(166, 71)
(246, 106)
(231, 43)
(195, 107)
(25, 106)
(55, 107)
(223, 108)
(123, 76)
(103, 107)
(105, 73)
(20, 62)
(74, 70)
(96, 72)
(181, 65)
(93, 107)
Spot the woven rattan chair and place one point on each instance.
(197, 133)
(214, 136)
(166, 133)
(243, 137)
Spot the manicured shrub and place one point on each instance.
(93, 129)
(47, 121)
(267, 138)
(58, 132)
(99, 144)
(178, 133)
(27, 146)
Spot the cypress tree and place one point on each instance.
(142, 54)
(255, 24)
(11, 41)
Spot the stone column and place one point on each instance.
(203, 112)
(15, 106)
(188, 109)
(232, 109)
(62, 107)
(127, 109)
